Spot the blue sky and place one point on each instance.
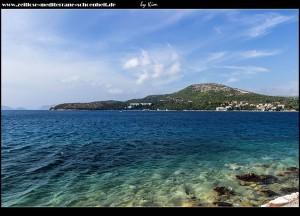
(57, 56)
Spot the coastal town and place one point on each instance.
(228, 106)
(235, 105)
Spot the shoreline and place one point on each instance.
(291, 200)
(171, 110)
(121, 110)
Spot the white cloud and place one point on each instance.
(145, 58)
(208, 61)
(41, 65)
(245, 69)
(149, 24)
(74, 78)
(198, 68)
(166, 19)
(212, 59)
(157, 70)
(175, 68)
(132, 63)
(215, 56)
(288, 89)
(142, 77)
(238, 73)
(175, 55)
(42, 77)
(113, 90)
(232, 80)
(259, 53)
(159, 65)
(264, 24)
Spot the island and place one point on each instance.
(207, 96)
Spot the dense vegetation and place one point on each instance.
(99, 105)
(194, 97)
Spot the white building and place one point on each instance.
(221, 109)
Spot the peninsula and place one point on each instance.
(208, 96)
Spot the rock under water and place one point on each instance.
(252, 177)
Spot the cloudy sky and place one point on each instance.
(56, 56)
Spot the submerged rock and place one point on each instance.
(252, 177)
(280, 173)
(192, 197)
(249, 177)
(224, 191)
(269, 193)
(222, 204)
(243, 183)
(289, 190)
(264, 165)
(292, 169)
(268, 179)
(289, 171)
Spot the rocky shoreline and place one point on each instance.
(260, 185)
(291, 200)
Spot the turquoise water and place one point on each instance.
(143, 158)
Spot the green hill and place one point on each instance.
(207, 96)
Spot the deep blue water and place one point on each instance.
(139, 158)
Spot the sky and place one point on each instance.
(55, 56)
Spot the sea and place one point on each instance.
(146, 158)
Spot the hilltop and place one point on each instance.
(207, 96)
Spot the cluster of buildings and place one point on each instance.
(270, 107)
(234, 105)
(227, 106)
(136, 105)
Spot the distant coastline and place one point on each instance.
(176, 110)
(285, 111)
(197, 97)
